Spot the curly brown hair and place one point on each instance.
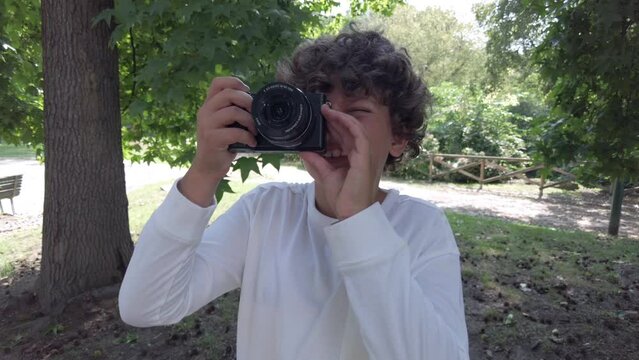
(368, 63)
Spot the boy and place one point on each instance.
(335, 269)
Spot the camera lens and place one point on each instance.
(278, 112)
(282, 114)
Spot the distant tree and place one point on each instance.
(467, 120)
(587, 53)
(21, 73)
(442, 48)
(469, 114)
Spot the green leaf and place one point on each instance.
(246, 165)
(137, 107)
(125, 12)
(105, 15)
(158, 7)
(223, 188)
(273, 159)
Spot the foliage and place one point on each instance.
(55, 329)
(384, 7)
(21, 102)
(169, 52)
(587, 55)
(511, 39)
(441, 48)
(467, 120)
(469, 115)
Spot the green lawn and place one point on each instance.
(478, 238)
(23, 244)
(16, 246)
(547, 292)
(491, 246)
(143, 201)
(16, 152)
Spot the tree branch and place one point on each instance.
(133, 70)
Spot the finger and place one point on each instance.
(339, 132)
(351, 125)
(226, 117)
(224, 82)
(337, 135)
(227, 136)
(228, 97)
(316, 165)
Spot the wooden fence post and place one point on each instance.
(482, 166)
(430, 167)
(615, 206)
(541, 185)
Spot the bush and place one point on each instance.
(470, 122)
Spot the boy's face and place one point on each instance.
(374, 118)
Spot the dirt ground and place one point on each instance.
(90, 327)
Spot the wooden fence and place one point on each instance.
(439, 168)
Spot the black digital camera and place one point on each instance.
(287, 120)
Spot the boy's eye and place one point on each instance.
(360, 111)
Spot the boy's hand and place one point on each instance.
(352, 187)
(227, 103)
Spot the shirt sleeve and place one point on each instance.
(405, 309)
(179, 265)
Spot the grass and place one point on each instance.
(16, 246)
(23, 244)
(513, 187)
(143, 201)
(6, 268)
(572, 282)
(479, 238)
(497, 246)
(16, 152)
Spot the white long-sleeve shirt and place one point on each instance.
(383, 284)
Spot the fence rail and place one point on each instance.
(439, 167)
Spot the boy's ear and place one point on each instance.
(398, 146)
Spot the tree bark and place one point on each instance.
(86, 241)
(615, 207)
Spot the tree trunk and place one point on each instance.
(615, 207)
(85, 234)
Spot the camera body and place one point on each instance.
(287, 120)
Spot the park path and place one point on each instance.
(588, 212)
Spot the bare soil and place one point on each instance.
(90, 327)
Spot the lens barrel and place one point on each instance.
(282, 114)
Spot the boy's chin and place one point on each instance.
(335, 162)
(338, 162)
